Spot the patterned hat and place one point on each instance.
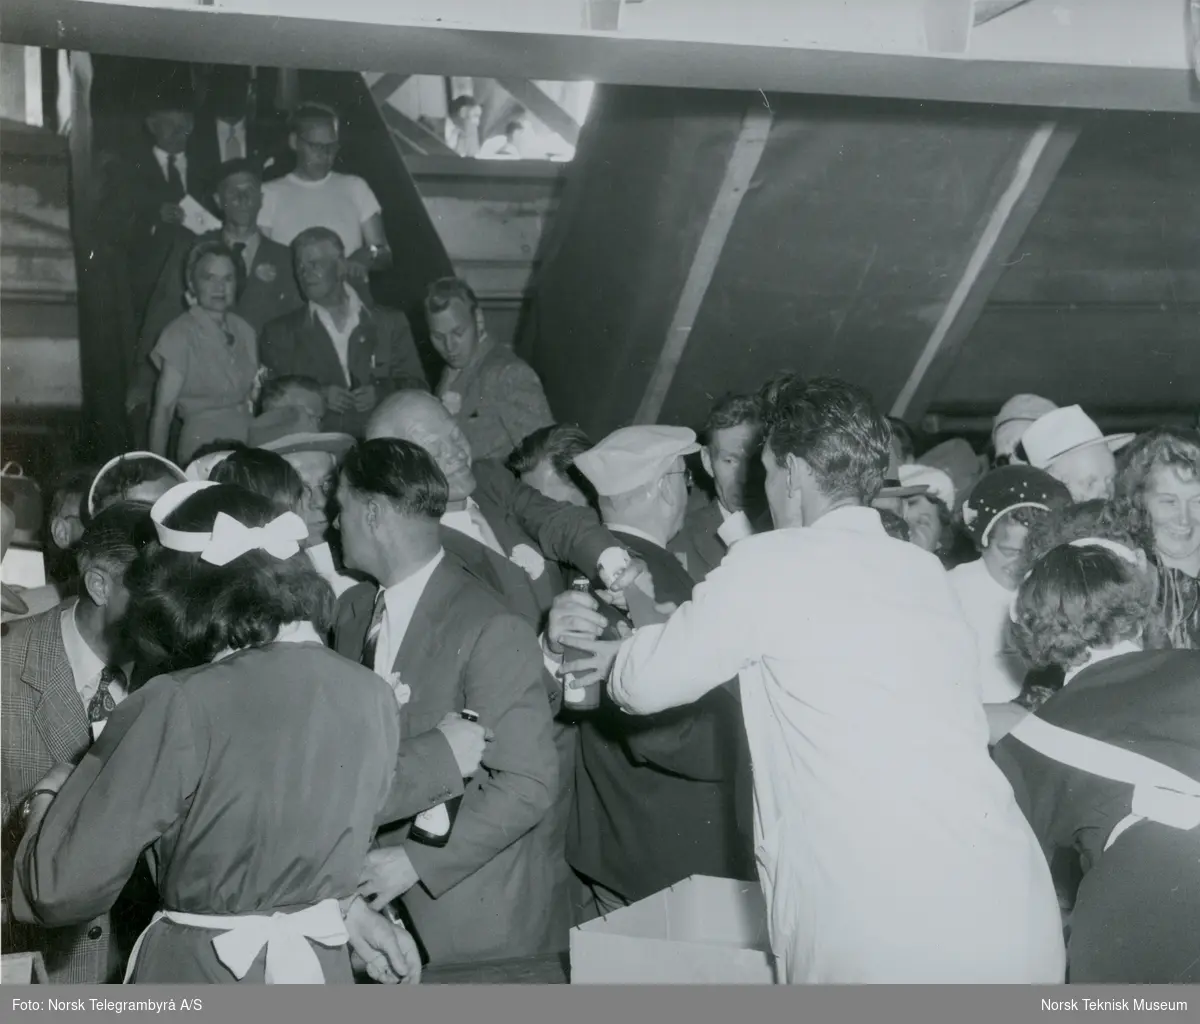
(1006, 489)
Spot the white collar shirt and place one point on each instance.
(86, 667)
(231, 138)
(464, 523)
(341, 337)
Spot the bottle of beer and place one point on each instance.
(578, 696)
(432, 827)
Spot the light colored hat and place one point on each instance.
(199, 469)
(634, 456)
(1014, 419)
(1065, 430)
(292, 444)
(936, 482)
(958, 460)
(112, 463)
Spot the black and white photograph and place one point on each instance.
(600, 493)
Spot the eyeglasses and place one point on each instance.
(685, 473)
(330, 148)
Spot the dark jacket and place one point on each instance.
(482, 896)
(382, 353)
(43, 723)
(656, 797)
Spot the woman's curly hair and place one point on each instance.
(1167, 446)
(1095, 518)
(1077, 599)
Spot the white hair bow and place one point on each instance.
(230, 539)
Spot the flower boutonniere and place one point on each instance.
(453, 401)
(403, 693)
(529, 560)
(266, 272)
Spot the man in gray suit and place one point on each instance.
(445, 643)
(62, 673)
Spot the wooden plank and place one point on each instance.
(743, 160)
(1035, 170)
(425, 142)
(386, 85)
(541, 106)
(547, 969)
(990, 10)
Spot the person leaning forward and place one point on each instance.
(445, 643)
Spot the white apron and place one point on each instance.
(1160, 793)
(290, 958)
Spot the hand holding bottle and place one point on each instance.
(468, 740)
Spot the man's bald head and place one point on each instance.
(418, 417)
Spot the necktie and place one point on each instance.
(485, 530)
(373, 630)
(102, 704)
(233, 145)
(174, 178)
(239, 250)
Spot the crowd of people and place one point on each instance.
(346, 674)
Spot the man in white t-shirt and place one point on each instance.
(315, 195)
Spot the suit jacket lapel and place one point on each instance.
(59, 715)
(424, 628)
(469, 383)
(362, 348)
(707, 542)
(352, 621)
(507, 580)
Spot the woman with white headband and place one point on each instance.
(252, 772)
(1109, 767)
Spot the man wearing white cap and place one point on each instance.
(655, 798)
(890, 847)
(498, 528)
(1068, 445)
(1014, 418)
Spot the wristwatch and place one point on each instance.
(26, 807)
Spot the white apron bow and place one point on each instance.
(290, 958)
(1160, 793)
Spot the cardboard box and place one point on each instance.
(702, 931)
(22, 969)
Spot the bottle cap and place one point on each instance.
(470, 716)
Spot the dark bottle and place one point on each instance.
(432, 827)
(576, 696)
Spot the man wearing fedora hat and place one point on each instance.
(1068, 445)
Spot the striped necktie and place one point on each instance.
(371, 642)
(102, 704)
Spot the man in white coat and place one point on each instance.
(890, 848)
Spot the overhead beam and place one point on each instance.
(386, 85)
(743, 161)
(541, 106)
(1070, 70)
(1035, 170)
